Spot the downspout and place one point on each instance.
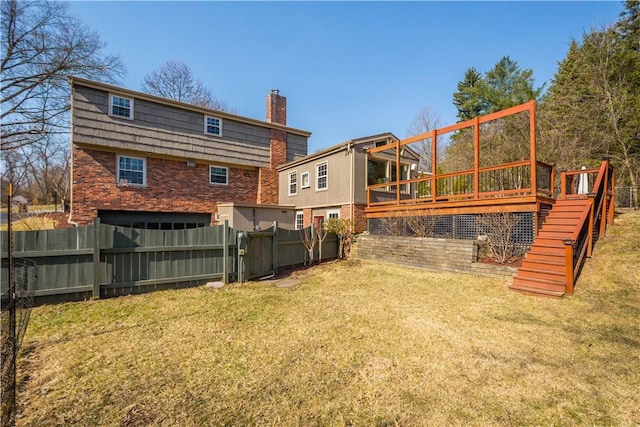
(351, 189)
(75, 224)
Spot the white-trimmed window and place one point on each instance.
(213, 125)
(119, 106)
(293, 183)
(299, 220)
(218, 175)
(132, 170)
(304, 180)
(321, 176)
(333, 214)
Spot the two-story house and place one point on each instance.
(332, 183)
(149, 162)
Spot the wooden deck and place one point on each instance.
(520, 186)
(576, 210)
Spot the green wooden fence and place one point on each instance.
(101, 260)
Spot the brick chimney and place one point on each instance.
(268, 177)
(276, 108)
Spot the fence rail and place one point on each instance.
(101, 260)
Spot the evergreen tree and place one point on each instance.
(592, 108)
(469, 99)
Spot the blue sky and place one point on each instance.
(348, 69)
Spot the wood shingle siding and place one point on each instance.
(170, 131)
(296, 147)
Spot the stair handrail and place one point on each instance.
(579, 246)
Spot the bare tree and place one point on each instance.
(497, 230)
(422, 226)
(309, 238)
(321, 231)
(425, 121)
(47, 172)
(42, 44)
(174, 80)
(394, 225)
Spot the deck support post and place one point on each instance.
(563, 185)
(604, 169)
(612, 199)
(398, 172)
(434, 165)
(476, 158)
(532, 140)
(568, 251)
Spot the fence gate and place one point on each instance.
(258, 259)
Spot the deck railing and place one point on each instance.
(527, 177)
(596, 184)
(597, 181)
(507, 180)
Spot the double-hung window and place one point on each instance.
(132, 170)
(218, 175)
(321, 176)
(213, 125)
(120, 106)
(293, 183)
(299, 220)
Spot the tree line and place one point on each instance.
(590, 109)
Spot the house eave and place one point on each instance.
(335, 149)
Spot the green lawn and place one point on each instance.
(356, 343)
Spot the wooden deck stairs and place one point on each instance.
(543, 271)
(565, 239)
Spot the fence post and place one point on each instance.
(96, 258)
(242, 242)
(225, 253)
(275, 248)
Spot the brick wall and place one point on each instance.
(172, 186)
(267, 186)
(268, 177)
(359, 219)
(307, 217)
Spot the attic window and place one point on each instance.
(120, 106)
(213, 125)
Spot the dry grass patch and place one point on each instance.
(356, 343)
(31, 223)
